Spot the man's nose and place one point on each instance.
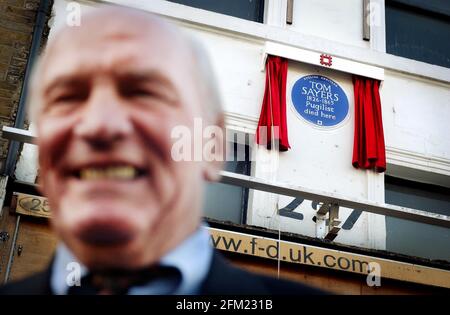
(104, 120)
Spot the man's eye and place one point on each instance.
(139, 93)
(69, 98)
(142, 93)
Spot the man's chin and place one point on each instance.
(110, 255)
(105, 237)
(105, 234)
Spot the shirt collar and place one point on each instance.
(192, 258)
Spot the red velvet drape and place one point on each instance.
(273, 111)
(368, 147)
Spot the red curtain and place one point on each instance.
(368, 148)
(273, 111)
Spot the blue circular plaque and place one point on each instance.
(320, 100)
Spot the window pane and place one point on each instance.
(417, 239)
(229, 202)
(418, 32)
(223, 202)
(252, 10)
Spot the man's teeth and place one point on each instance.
(112, 172)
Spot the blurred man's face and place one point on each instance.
(112, 95)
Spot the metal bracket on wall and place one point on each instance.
(328, 213)
(289, 11)
(4, 236)
(366, 20)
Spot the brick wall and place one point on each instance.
(17, 21)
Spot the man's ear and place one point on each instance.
(216, 147)
(40, 181)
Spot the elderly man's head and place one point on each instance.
(106, 97)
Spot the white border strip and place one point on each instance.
(312, 57)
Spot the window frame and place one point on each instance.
(424, 9)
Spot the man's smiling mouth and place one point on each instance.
(109, 172)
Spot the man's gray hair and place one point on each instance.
(207, 81)
(205, 76)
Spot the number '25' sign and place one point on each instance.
(32, 205)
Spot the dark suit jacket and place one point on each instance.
(222, 279)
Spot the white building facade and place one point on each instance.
(415, 98)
